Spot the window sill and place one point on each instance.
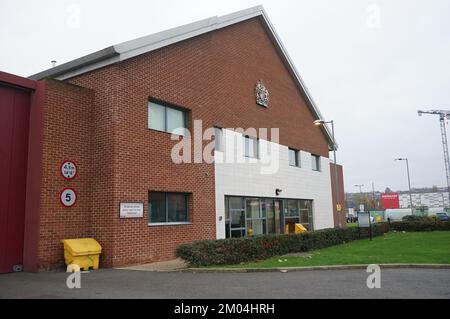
(169, 224)
(167, 133)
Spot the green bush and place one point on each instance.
(419, 226)
(241, 250)
(414, 218)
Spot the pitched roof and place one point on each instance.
(130, 49)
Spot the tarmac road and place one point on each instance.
(111, 283)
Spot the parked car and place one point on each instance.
(442, 217)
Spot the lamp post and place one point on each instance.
(360, 194)
(323, 122)
(409, 180)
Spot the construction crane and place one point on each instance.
(443, 115)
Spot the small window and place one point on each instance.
(166, 119)
(218, 139)
(167, 208)
(294, 158)
(315, 162)
(251, 147)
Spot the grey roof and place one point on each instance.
(130, 49)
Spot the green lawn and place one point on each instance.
(392, 248)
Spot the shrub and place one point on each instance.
(241, 250)
(414, 218)
(421, 226)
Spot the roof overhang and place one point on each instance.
(133, 48)
(9, 79)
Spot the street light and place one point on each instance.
(323, 122)
(409, 180)
(360, 194)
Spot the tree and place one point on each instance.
(360, 199)
(388, 190)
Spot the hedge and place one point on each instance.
(240, 250)
(420, 226)
(247, 249)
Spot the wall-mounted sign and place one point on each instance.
(262, 94)
(69, 170)
(131, 210)
(68, 197)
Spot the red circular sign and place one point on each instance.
(68, 197)
(68, 170)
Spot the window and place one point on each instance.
(218, 139)
(315, 162)
(166, 119)
(257, 216)
(234, 217)
(251, 148)
(292, 216)
(294, 158)
(166, 208)
(306, 217)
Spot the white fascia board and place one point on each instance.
(159, 40)
(297, 77)
(88, 68)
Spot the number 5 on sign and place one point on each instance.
(68, 197)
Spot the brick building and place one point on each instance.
(112, 113)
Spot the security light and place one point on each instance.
(319, 122)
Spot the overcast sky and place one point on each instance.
(369, 65)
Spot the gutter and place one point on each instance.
(105, 54)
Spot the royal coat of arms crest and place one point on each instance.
(262, 94)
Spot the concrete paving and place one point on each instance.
(163, 266)
(111, 283)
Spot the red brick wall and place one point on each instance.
(340, 173)
(67, 134)
(213, 76)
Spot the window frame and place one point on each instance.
(166, 205)
(218, 141)
(167, 105)
(316, 159)
(297, 157)
(302, 205)
(256, 140)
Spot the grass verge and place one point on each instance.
(392, 248)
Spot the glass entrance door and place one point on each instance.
(237, 224)
(235, 217)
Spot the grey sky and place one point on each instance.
(370, 80)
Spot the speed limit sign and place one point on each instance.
(68, 197)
